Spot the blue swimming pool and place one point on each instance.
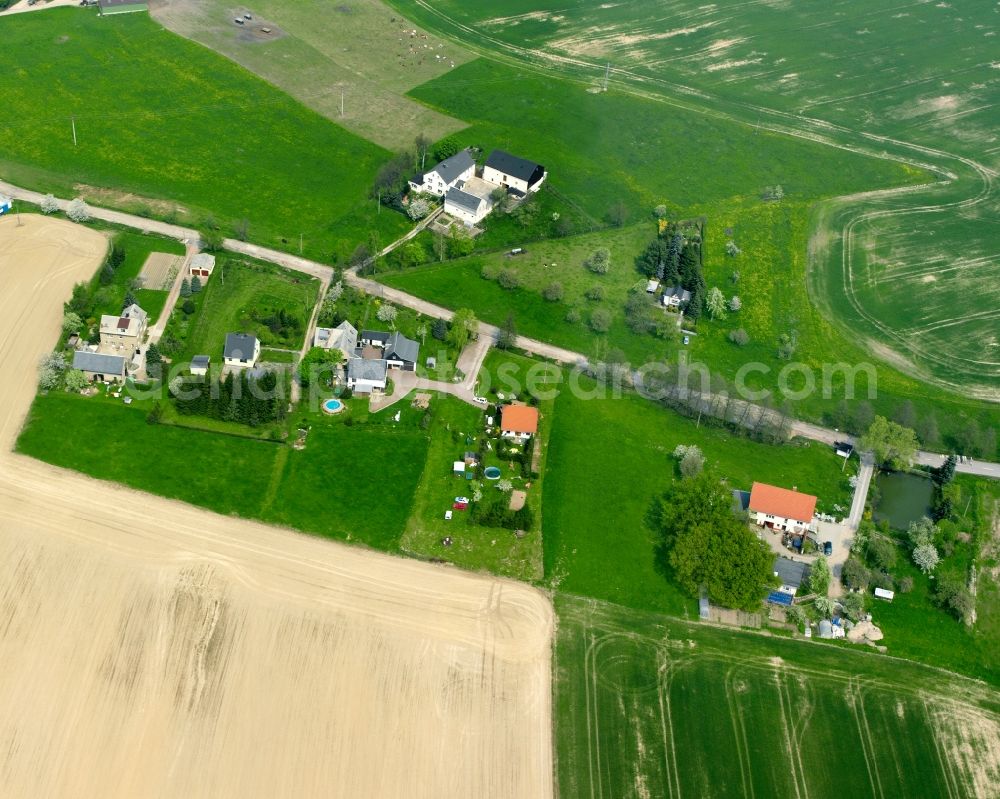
(491, 473)
(332, 406)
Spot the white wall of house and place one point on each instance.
(495, 176)
(515, 436)
(365, 386)
(779, 522)
(469, 217)
(434, 184)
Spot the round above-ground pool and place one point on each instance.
(491, 473)
(332, 406)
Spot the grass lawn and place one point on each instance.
(617, 453)
(475, 546)
(627, 685)
(314, 51)
(137, 248)
(205, 135)
(337, 486)
(600, 149)
(239, 295)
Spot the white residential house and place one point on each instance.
(519, 422)
(200, 364)
(782, 509)
(675, 298)
(242, 350)
(465, 206)
(202, 266)
(99, 365)
(460, 167)
(518, 175)
(365, 375)
(122, 334)
(343, 337)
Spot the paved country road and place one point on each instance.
(531, 346)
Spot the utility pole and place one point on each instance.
(341, 102)
(300, 244)
(17, 212)
(378, 207)
(72, 120)
(607, 72)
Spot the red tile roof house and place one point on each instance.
(781, 509)
(519, 422)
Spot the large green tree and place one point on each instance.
(893, 445)
(708, 546)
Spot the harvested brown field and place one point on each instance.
(151, 648)
(159, 270)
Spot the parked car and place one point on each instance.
(462, 500)
(247, 16)
(460, 505)
(480, 400)
(238, 20)
(828, 548)
(687, 339)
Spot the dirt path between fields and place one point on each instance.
(149, 647)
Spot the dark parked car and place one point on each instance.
(828, 548)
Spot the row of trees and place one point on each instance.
(245, 398)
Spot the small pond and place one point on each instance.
(903, 498)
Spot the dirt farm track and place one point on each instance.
(151, 649)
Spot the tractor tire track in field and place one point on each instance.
(799, 126)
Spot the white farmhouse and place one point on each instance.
(464, 206)
(459, 168)
(343, 337)
(241, 350)
(122, 334)
(782, 509)
(518, 175)
(365, 375)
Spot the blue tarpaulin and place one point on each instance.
(780, 598)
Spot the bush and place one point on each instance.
(600, 321)
(739, 337)
(881, 552)
(553, 292)
(49, 204)
(77, 210)
(572, 316)
(595, 293)
(508, 279)
(735, 303)
(75, 380)
(855, 574)
(854, 606)
(418, 209)
(906, 585)
(882, 579)
(188, 306)
(599, 261)
(952, 596)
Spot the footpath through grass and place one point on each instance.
(159, 118)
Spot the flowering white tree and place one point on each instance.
(336, 291)
(78, 211)
(505, 485)
(418, 209)
(49, 204)
(387, 313)
(75, 380)
(926, 557)
(735, 303)
(732, 249)
(716, 303)
(50, 370)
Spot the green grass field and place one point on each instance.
(316, 50)
(204, 134)
(646, 706)
(618, 453)
(901, 292)
(236, 291)
(336, 487)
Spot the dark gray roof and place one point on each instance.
(403, 348)
(462, 199)
(741, 499)
(200, 360)
(374, 335)
(451, 168)
(240, 346)
(790, 572)
(98, 362)
(676, 291)
(366, 369)
(520, 168)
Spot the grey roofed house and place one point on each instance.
(675, 295)
(366, 369)
(470, 202)
(791, 572)
(98, 363)
(520, 168)
(741, 500)
(401, 348)
(200, 361)
(240, 346)
(135, 312)
(450, 168)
